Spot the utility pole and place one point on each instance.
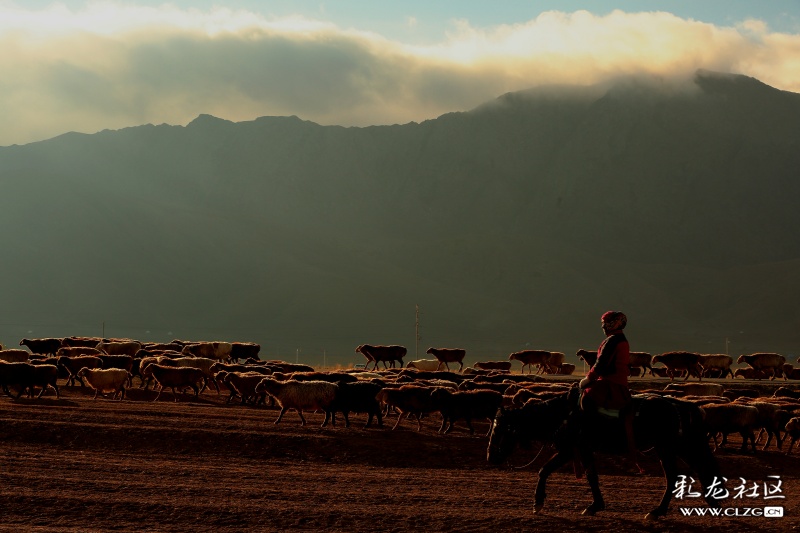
(416, 332)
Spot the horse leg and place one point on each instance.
(557, 461)
(670, 467)
(587, 457)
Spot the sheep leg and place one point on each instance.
(556, 461)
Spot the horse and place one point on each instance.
(673, 428)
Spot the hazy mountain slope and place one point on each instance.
(511, 225)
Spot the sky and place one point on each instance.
(88, 66)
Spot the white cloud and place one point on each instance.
(110, 65)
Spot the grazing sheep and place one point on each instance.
(180, 377)
(716, 362)
(301, 395)
(218, 351)
(428, 365)
(528, 358)
(449, 355)
(375, 354)
(358, 397)
(72, 366)
(678, 361)
(765, 362)
(504, 366)
(106, 380)
(408, 400)
(46, 346)
(732, 418)
(14, 356)
(479, 403)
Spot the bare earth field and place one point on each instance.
(78, 464)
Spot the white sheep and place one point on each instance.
(106, 380)
(300, 395)
(428, 365)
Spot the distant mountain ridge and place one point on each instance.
(512, 225)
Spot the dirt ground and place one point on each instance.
(77, 464)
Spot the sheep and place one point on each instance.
(730, 418)
(793, 430)
(244, 385)
(120, 347)
(301, 395)
(717, 361)
(14, 356)
(425, 364)
(529, 358)
(77, 351)
(449, 355)
(358, 397)
(697, 389)
(72, 365)
(106, 380)
(80, 342)
(244, 350)
(554, 363)
(504, 366)
(375, 354)
(408, 400)
(471, 404)
(170, 376)
(219, 351)
(767, 362)
(675, 361)
(641, 360)
(749, 373)
(46, 346)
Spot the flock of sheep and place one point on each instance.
(419, 389)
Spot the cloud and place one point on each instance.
(111, 66)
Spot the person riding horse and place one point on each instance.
(605, 387)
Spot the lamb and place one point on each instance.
(181, 377)
(45, 346)
(244, 385)
(106, 380)
(375, 354)
(766, 362)
(72, 365)
(408, 400)
(358, 397)
(301, 395)
(528, 358)
(730, 418)
(14, 356)
(471, 404)
(719, 362)
(677, 361)
(504, 366)
(449, 355)
(429, 365)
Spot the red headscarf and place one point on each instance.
(614, 320)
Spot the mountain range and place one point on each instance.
(511, 226)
